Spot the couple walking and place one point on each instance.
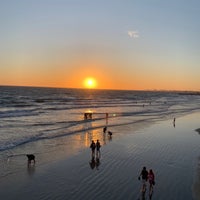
(147, 176)
(95, 146)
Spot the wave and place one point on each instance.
(64, 128)
(53, 113)
(18, 113)
(18, 142)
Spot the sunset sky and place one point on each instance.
(122, 44)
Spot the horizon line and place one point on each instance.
(152, 90)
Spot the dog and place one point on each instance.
(31, 158)
(110, 133)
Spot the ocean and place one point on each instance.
(30, 114)
(50, 123)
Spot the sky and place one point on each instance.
(122, 44)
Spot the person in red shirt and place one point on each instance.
(151, 179)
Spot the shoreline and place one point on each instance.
(70, 176)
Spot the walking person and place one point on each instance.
(98, 146)
(151, 179)
(144, 175)
(93, 147)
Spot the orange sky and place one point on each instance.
(106, 78)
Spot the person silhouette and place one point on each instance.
(151, 179)
(106, 118)
(174, 122)
(93, 147)
(98, 146)
(144, 175)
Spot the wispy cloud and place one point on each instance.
(133, 34)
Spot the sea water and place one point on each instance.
(37, 120)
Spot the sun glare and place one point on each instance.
(90, 83)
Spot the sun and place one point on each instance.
(90, 83)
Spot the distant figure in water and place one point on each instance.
(174, 122)
(93, 147)
(104, 129)
(106, 118)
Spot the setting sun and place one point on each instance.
(90, 83)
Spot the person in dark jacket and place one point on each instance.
(98, 146)
(93, 147)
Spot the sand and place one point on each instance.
(66, 173)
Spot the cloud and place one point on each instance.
(133, 34)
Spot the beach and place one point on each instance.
(66, 173)
(121, 75)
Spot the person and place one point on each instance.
(109, 135)
(106, 118)
(93, 147)
(144, 175)
(151, 178)
(98, 146)
(104, 129)
(174, 122)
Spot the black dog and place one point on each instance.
(110, 133)
(30, 157)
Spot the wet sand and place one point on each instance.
(67, 172)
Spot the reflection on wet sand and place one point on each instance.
(95, 162)
(196, 184)
(145, 194)
(30, 169)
